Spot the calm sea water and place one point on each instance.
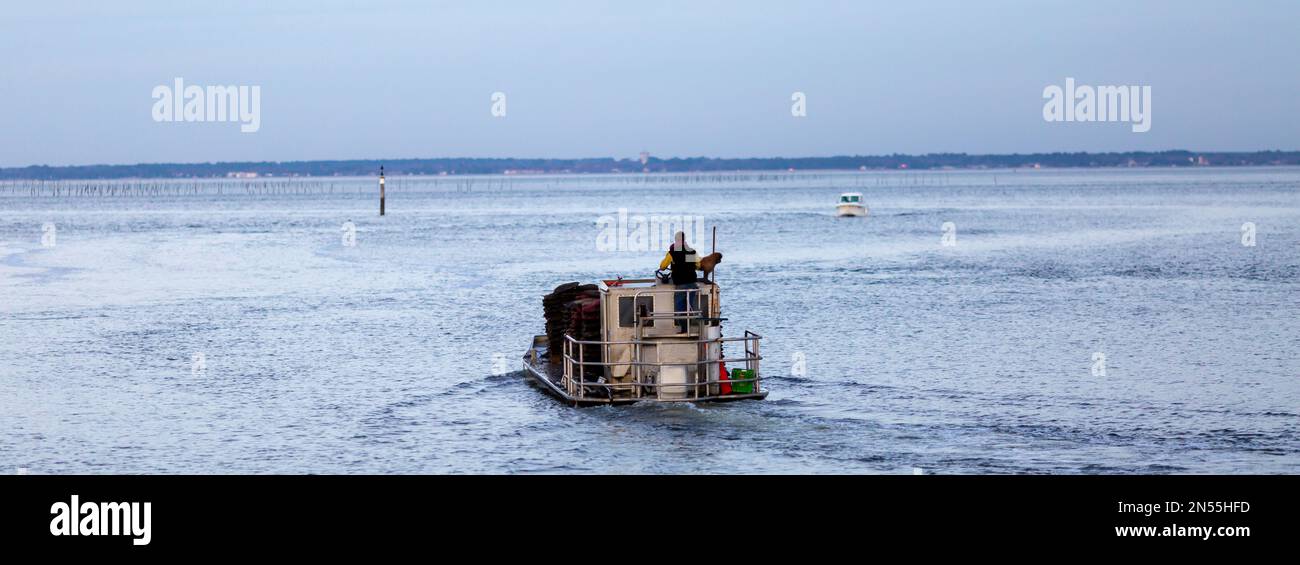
(388, 357)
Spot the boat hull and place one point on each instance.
(850, 210)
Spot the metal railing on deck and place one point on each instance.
(575, 368)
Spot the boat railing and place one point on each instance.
(692, 313)
(575, 378)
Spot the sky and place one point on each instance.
(387, 79)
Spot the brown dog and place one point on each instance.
(708, 262)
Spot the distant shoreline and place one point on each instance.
(510, 166)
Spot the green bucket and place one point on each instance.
(742, 387)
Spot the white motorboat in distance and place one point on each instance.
(851, 205)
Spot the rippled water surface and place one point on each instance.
(384, 357)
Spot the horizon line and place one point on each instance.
(650, 157)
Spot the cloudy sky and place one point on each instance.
(343, 80)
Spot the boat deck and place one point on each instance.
(550, 378)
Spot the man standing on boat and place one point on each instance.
(683, 261)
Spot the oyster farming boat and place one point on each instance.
(637, 340)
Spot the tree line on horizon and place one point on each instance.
(451, 166)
